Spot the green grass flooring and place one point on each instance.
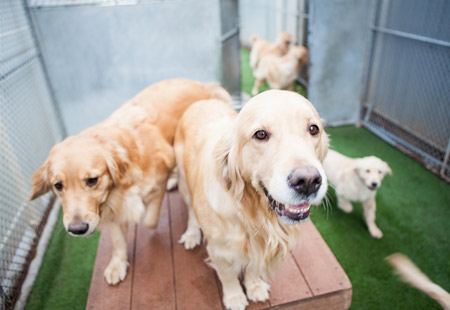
(65, 274)
(413, 211)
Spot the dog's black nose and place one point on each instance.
(78, 228)
(374, 184)
(305, 180)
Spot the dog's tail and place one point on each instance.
(218, 92)
(412, 275)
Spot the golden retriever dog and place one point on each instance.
(248, 179)
(357, 179)
(116, 172)
(280, 72)
(412, 275)
(261, 48)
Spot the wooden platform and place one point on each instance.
(163, 275)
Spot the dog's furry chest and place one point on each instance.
(353, 189)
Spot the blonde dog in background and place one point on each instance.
(357, 179)
(412, 275)
(280, 72)
(261, 48)
(248, 179)
(116, 172)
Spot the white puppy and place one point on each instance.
(356, 179)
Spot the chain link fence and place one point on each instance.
(406, 96)
(29, 127)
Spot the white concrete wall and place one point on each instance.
(99, 56)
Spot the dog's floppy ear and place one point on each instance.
(322, 148)
(227, 165)
(387, 169)
(118, 163)
(41, 185)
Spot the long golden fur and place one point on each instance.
(357, 179)
(241, 176)
(115, 172)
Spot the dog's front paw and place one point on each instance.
(376, 232)
(236, 301)
(116, 271)
(191, 239)
(258, 291)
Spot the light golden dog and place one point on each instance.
(115, 172)
(412, 275)
(261, 48)
(357, 179)
(248, 179)
(280, 72)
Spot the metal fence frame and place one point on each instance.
(21, 221)
(395, 134)
(230, 50)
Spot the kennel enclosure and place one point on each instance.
(382, 63)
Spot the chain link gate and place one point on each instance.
(29, 127)
(406, 91)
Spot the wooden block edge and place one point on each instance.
(319, 303)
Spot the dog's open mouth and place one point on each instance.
(289, 214)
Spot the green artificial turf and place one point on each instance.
(413, 211)
(65, 274)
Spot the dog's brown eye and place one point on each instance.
(313, 130)
(91, 182)
(58, 186)
(367, 170)
(261, 135)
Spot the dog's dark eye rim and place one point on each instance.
(368, 170)
(261, 135)
(91, 181)
(59, 186)
(313, 130)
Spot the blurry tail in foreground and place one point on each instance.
(412, 275)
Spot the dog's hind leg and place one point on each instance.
(369, 215)
(344, 204)
(192, 236)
